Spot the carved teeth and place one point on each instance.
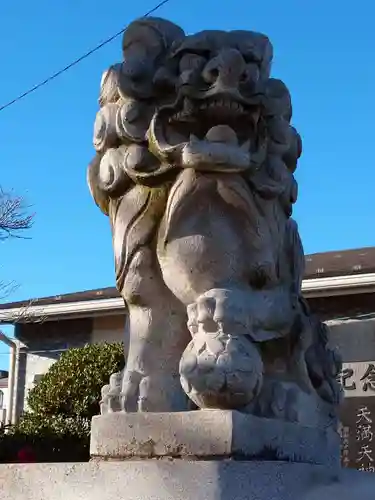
(221, 103)
(188, 106)
(181, 115)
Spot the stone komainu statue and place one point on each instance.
(194, 166)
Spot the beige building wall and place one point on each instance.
(108, 329)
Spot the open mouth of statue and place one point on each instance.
(216, 130)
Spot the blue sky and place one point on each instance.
(324, 51)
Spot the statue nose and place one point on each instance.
(226, 68)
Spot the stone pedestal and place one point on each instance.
(208, 434)
(183, 480)
(200, 455)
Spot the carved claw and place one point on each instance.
(156, 392)
(130, 391)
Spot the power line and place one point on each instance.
(42, 351)
(76, 61)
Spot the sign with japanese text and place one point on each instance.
(357, 416)
(358, 379)
(358, 434)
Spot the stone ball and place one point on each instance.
(221, 371)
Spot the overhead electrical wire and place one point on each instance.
(24, 350)
(76, 61)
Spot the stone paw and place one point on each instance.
(156, 392)
(111, 394)
(221, 367)
(220, 309)
(130, 391)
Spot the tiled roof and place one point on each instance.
(340, 263)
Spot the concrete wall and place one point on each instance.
(355, 338)
(352, 325)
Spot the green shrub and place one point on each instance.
(50, 439)
(57, 426)
(72, 385)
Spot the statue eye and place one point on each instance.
(251, 73)
(190, 62)
(249, 58)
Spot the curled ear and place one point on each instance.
(294, 152)
(100, 197)
(146, 44)
(155, 35)
(260, 48)
(107, 178)
(277, 99)
(109, 85)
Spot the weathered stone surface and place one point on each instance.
(182, 480)
(194, 167)
(210, 433)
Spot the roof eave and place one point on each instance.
(339, 285)
(311, 288)
(64, 310)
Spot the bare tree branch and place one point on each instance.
(13, 216)
(7, 288)
(14, 220)
(28, 313)
(24, 315)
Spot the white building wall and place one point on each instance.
(36, 365)
(4, 398)
(4, 392)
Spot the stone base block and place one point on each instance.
(182, 480)
(206, 434)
